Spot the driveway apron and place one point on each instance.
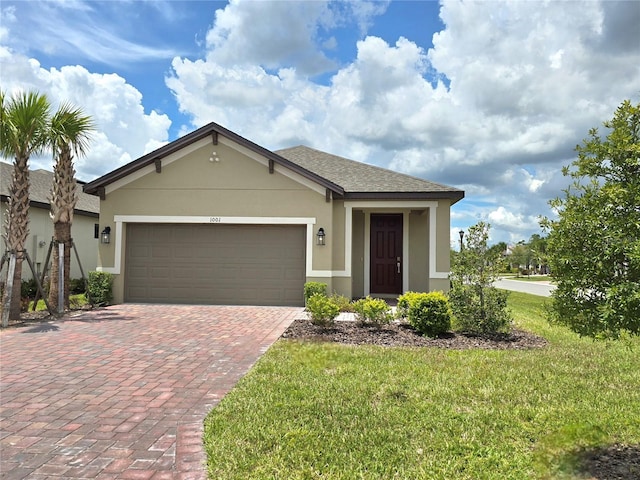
(122, 392)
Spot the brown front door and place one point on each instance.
(386, 253)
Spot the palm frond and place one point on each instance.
(24, 124)
(70, 127)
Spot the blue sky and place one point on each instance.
(491, 97)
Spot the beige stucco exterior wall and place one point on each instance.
(41, 231)
(235, 186)
(443, 240)
(418, 251)
(357, 263)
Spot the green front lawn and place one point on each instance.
(331, 411)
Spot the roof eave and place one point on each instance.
(454, 196)
(47, 206)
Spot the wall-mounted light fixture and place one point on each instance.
(105, 235)
(320, 236)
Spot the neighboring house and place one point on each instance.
(214, 218)
(83, 230)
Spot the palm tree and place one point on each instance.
(70, 133)
(24, 120)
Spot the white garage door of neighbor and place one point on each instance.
(215, 264)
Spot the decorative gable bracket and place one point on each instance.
(158, 163)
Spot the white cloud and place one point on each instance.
(99, 31)
(503, 218)
(525, 81)
(124, 130)
(246, 33)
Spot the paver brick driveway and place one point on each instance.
(122, 392)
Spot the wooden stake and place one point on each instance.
(60, 277)
(6, 307)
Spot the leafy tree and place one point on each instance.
(538, 252)
(477, 305)
(69, 134)
(24, 120)
(520, 256)
(594, 245)
(499, 251)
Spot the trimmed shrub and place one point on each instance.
(76, 286)
(480, 310)
(429, 313)
(343, 303)
(372, 311)
(404, 302)
(100, 288)
(313, 288)
(322, 310)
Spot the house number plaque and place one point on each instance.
(215, 219)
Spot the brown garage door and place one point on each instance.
(215, 264)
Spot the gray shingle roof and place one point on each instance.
(40, 188)
(356, 177)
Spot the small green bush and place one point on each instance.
(323, 311)
(480, 310)
(404, 302)
(100, 288)
(372, 311)
(313, 288)
(28, 288)
(343, 303)
(76, 286)
(429, 313)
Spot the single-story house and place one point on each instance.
(214, 218)
(84, 229)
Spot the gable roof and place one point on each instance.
(211, 130)
(40, 182)
(345, 178)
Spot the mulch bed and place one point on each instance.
(615, 462)
(399, 334)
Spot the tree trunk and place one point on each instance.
(62, 234)
(18, 227)
(63, 201)
(13, 299)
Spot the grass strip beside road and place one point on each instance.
(528, 278)
(311, 410)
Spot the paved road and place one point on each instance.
(542, 289)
